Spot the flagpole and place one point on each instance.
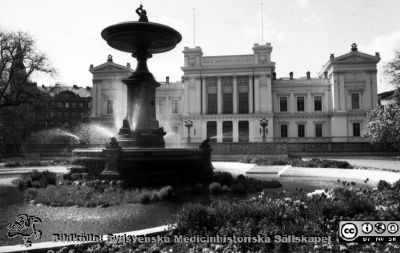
(194, 28)
(262, 23)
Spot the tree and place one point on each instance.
(19, 58)
(20, 99)
(383, 125)
(392, 70)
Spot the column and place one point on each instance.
(235, 95)
(250, 94)
(167, 106)
(219, 131)
(257, 94)
(94, 100)
(367, 92)
(203, 134)
(99, 98)
(335, 92)
(326, 101)
(198, 96)
(186, 99)
(219, 95)
(235, 130)
(309, 102)
(292, 103)
(251, 131)
(269, 95)
(204, 95)
(342, 95)
(374, 89)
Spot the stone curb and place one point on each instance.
(54, 245)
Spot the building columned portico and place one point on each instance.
(230, 96)
(238, 98)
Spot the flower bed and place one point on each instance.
(77, 190)
(275, 214)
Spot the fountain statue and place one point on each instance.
(138, 155)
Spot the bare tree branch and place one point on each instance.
(19, 59)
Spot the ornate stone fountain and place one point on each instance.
(138, 155)
(142, 39)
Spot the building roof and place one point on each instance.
(351, 58)
(58, 88)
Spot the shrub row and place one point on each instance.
(85, 196)
(297, 162)
(224, 182)
(35, 179)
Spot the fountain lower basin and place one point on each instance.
(143, 167)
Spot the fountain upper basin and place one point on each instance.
(133, 36)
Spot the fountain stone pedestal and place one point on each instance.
(141, 111)
(112, 154)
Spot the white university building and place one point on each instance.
(226, 98)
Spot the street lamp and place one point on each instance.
(264, 124)
(188, 124)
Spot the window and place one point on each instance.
(318, 130)
(300, 130)
(110, 106)
(227, 131)
(81, 104)
(212, 103)
(283, 104)
(175, 106)
(212, 97)
(243, 102)
(243, 91)
(300, 104)
(160, 105)
(73, 105)
(227, 95)
(317, 103)
(284, 131)
(227, 103)
(175, 130)
(356, 129)
(59, 105)
(67, 105)
(243, 131)
(212, 131)
(355, 101)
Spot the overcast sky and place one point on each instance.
(303, 33)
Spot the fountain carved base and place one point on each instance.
(143, 138)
